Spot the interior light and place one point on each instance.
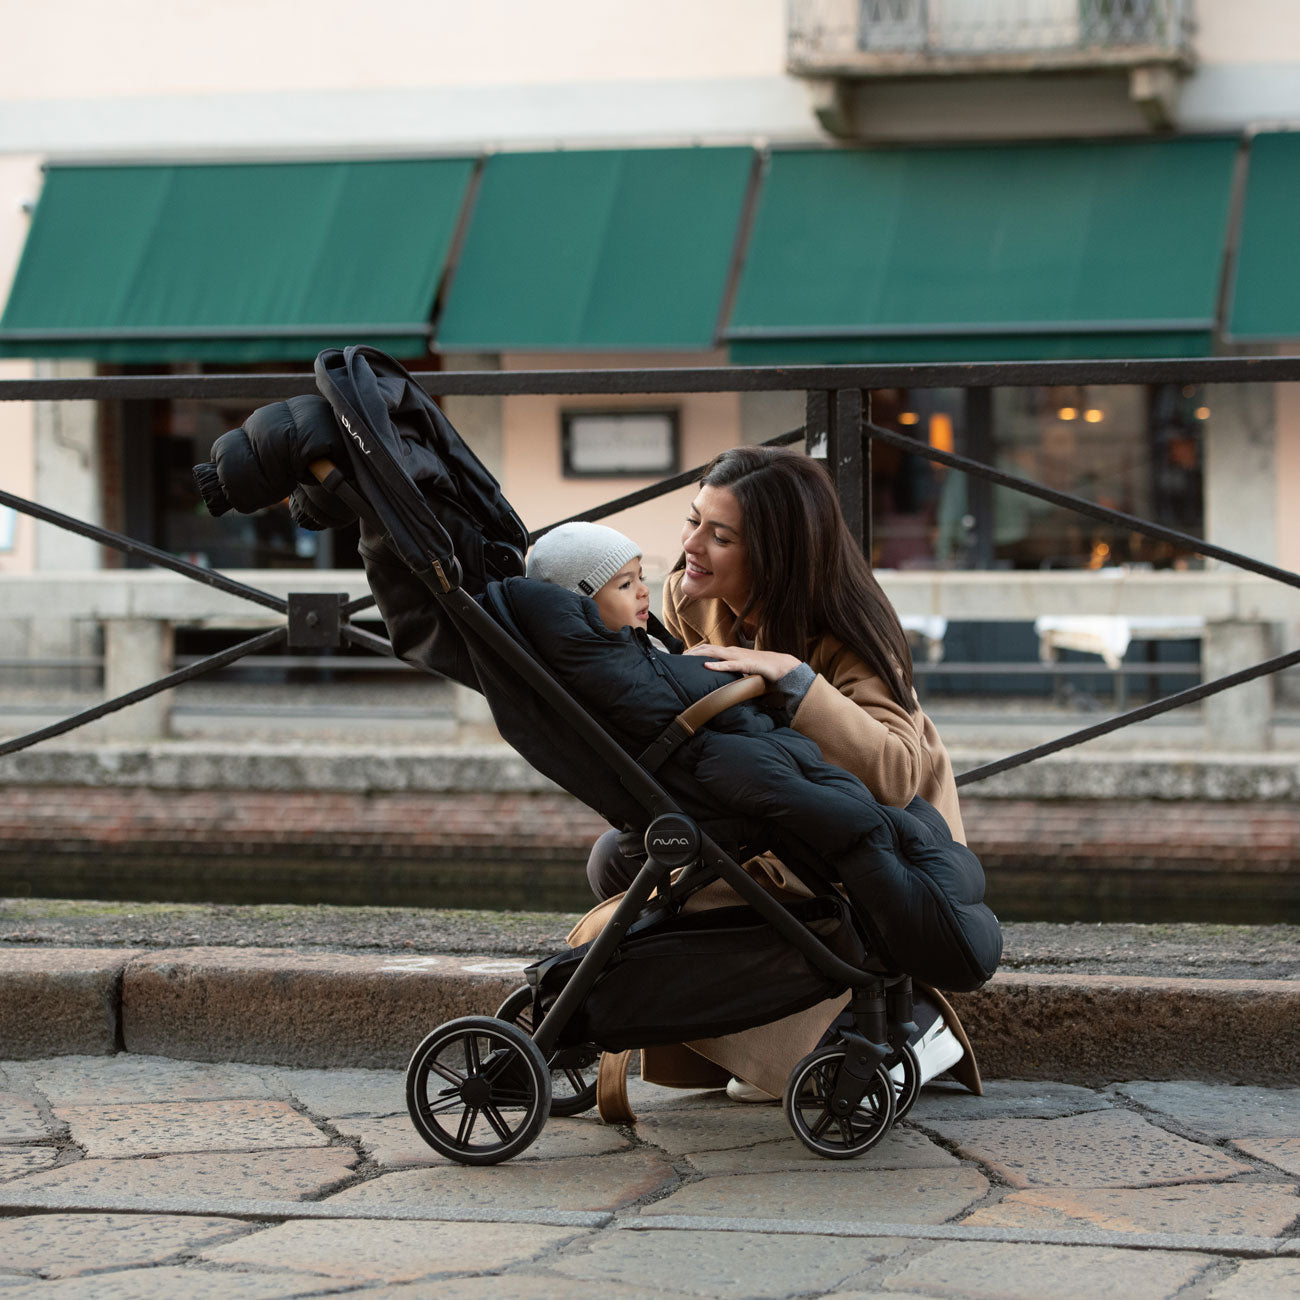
(1068, 413)
(941, 438)
(1202, 412)
(909, 417)
(1093, 415)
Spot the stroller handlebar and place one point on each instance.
(715, 702)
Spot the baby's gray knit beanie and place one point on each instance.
(582, 557)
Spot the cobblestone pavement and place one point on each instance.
(139, 1176)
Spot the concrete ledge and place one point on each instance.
(61, 1001)
(1096, 1029)
(271, 1006)
(495, 768)
(249, 765)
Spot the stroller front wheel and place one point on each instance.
(810, 1109)
(478, 1090)
(573, 1069)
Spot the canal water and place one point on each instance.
(1237, 896)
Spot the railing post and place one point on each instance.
(137, 651)
(979, 491)
(840, 417)
(1240, 718)
(817, 419)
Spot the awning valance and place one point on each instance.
(1265, 304)
(1085, 249)
(233, 262)
(592, 250)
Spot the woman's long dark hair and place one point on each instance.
(808, 577)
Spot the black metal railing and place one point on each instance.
(838, 417)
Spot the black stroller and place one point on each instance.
(893, 897)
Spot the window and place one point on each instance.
(620, 444)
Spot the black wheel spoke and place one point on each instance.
(575, 1079)
(447, 1072)
(497, 1120)
(473, 1062)
(448, 1102)
(511, 1098)
(466, 1129)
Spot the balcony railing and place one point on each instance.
(896, 37)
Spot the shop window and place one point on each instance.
(1130, 449)
(620, 444)
(1133, 449)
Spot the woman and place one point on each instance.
(771, 582)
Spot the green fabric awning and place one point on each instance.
(597, 250)
(1087, 249)
(1266, 287)
(237, 262)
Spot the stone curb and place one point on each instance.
(1099, 1029)
(280, 1007)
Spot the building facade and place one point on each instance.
(507, 185)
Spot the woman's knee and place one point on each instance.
(608, 871)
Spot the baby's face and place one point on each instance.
(624, 601)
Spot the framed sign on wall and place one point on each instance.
(620, 444)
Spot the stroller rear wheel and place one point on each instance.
(810, 1109)
(573, 1069)
(478, 1090)
(906, 1074)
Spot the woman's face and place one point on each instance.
(717, 564)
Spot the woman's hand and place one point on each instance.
(768, 664)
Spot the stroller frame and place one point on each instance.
(485, 1072)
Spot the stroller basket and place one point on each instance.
(698, 975)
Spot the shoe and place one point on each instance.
(936, 1050)
(739, 1090)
